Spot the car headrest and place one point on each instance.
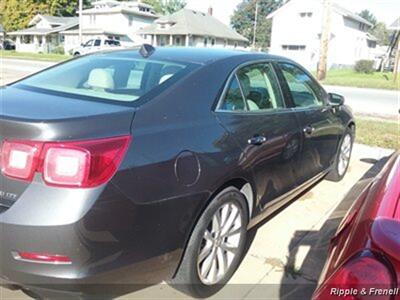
(100, 79)
(167, 72)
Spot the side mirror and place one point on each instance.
(336, 99)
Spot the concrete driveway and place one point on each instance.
(287, 252)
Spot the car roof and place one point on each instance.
(194, 55)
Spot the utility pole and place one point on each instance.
(255, 25)
(80, 20)
(325, 37)
(397, 60)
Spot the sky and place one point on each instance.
(385, 10)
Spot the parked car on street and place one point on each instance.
(7, 44)
(96, 45)
(136, 166)
(365, 251)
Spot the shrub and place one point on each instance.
(58, 50)
(364, 66)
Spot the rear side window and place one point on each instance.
(233, 100)
(107, 77)
(97, 43)
(305, 92)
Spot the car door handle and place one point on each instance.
(308, 129)
(257, 140)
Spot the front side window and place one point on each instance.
(89, 43)
(254, 88)
(108, 77)
(305, 92)
(260, 88)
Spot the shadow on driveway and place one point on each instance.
(301, 283)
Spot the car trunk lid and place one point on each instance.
(33, 116)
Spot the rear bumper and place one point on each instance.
(94, 269)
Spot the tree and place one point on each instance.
(157, 5)
(16, 14)
(381, 33)
(171, 6)
(243, 20)
(369, 16)
(166, 6)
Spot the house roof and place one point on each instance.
(339, 9)
(192, 22)
(395, 25)
(349, 14)
(71, 22)
(52, 20)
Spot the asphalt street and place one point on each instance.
(371, 102)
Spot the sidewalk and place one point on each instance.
(288, 251)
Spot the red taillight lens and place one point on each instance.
(83, 163)
(361, 273)
(19, 159)
(63, 166)
(42, 257)
(70, 164)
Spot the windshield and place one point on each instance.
(107, 77)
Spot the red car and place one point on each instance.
(364, 255)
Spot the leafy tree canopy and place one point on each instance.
(243, 20)
(166, 6)
(16, 14)
(381, 33)
(369, 16)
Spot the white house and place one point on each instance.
(296, 33)
(43, 33)
(112, 19)
(192, 28)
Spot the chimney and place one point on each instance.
(210, 11)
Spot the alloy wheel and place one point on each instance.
(220, 244)
(344, 155)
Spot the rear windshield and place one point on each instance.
(107, 77)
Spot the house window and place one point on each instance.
(178, 40)
(306, 14)
(236, 44)
(225, 43)
(205, 42)
(26, 39)
(294, 47)
(212, 42)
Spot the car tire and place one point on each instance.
(343, 155)
(76, 54)
(192, 277)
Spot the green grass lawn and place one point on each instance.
(348, 77)
(377, 132)
(34, 56)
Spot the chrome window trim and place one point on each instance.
(261, 111)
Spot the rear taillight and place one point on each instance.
(360, 274)
(19, 159)
(70, 164)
